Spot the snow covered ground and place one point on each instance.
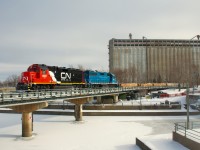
(162, 141)
(95, 132)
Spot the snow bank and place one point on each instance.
(96, 132)
(62, 132)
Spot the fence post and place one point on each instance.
(44, 94)
(22, 95)
(192, 124)
(2, 96)
(38, 94)
(63, 104)
(60, 93)
(71, 92)
(185, 128)
(176, 127)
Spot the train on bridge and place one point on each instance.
(41, 76)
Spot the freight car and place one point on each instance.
(149, 85)
(40, 76)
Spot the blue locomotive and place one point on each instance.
(96, 78)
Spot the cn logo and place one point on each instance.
(25, 78)
(65, 76)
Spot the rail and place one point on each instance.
(192, 133)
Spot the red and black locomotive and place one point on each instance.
(40, 76)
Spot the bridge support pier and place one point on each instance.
(99, 101)
(26, 111)
(78, 112)
(116, 98)
(78, 107)
(27, 124)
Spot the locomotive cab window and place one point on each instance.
(33, 69)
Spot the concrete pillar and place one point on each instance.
(26, 111)
(116, 98)
(26, 124)
(90, 98)
(78, 106)
(78, 112)
(99, 101)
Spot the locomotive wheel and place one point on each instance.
(47, 86)
(52, 86)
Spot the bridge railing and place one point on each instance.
(192, 133)
(24, 95)
(61, 93)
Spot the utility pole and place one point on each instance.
(187, 93)
(188, 105)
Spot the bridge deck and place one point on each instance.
(19, 98)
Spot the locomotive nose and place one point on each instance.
(24, 81)
(25, 77)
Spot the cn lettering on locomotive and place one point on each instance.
(65, 76)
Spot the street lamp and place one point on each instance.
(195, 73)
(188, 103)
(198, 36)
(187, 92)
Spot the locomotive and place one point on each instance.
(41, 76)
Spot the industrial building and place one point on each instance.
(155, 60)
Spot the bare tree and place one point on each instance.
(159, 78)
(11, 81)
(119, 75)
(139, 76)
(1, 84)
(71, 66)
(81, 67)
(133, 74)
(195, 69)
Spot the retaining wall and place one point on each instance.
(142, 145)
(190, 144)
(108, 113)
(117, 107)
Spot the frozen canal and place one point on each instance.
(95, 132)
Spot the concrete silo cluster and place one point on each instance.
(155, 60)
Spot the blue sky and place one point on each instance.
(66, 32)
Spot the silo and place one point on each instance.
(128, 56)
(154, 60)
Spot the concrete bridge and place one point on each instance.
(27, 102)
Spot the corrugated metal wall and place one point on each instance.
(154, 60)
(125, 56)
